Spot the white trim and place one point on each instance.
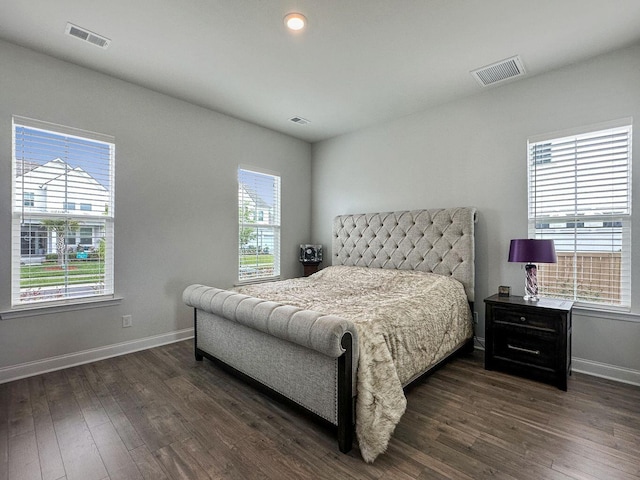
(34, 309)
(603, 370)
(606, 314)
(571, 132)
(28, 369)
(255, 281)
(260, 170)
(63, 129)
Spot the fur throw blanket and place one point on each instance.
(406, 322)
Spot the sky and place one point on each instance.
(262, 184)
(35, 145)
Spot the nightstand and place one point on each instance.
(531, 339)
(310, 268)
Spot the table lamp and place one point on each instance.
(531, 251)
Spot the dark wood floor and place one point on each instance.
(158, 414)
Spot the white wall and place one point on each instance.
(473, 152)
(176, 197)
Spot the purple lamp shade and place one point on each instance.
(532, 251)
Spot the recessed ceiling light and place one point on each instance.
(295, 21)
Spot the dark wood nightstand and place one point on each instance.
(531, 339)
(310, 268)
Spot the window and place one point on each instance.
(259, 225)
(54, 169)
(86, 236)
(580, 196)
(29, 199)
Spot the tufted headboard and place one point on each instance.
(435, 240)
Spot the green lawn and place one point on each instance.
(253, 259)
(76, 272)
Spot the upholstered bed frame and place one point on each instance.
(438, 240)
(309, 358)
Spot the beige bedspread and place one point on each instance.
(406, 322)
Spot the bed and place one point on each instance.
(343, 343)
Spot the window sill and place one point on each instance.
(617, 315)
(33, 310)
(242, 283)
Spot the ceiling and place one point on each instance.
(358, 63)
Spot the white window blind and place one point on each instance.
(259, 225)
(61, 253)
(580, 196)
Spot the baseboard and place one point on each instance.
(16, 372)
(28, 369)
(603, 370)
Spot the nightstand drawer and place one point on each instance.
(524, 318)
(539, 350)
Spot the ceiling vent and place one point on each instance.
(87, 36)
(299, 120)
(499, 71)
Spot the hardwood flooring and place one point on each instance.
(158, 414)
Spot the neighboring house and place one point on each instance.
(260, 209)
(56, 187)
(256, 212)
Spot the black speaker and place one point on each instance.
(310, 253)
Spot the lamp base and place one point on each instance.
(531, 283)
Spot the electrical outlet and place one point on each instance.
(126, 321)
(475, 318)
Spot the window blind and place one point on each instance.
(258, 225)
(580, 196)
(62, 213)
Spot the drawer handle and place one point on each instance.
(520, 349)
(523, 319)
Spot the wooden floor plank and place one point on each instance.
(159, 414)
(24, 463)
(431, 467)
(89, 403)
(19, 412)
(231, 464)
(4, 431)
(114, 453)
(179, 464)
(147, 464)
(121, 423)
(123, 426)
(51, 464)
(79, 453)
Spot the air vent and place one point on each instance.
(299, 120)
(499, 71)
(87, 36)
